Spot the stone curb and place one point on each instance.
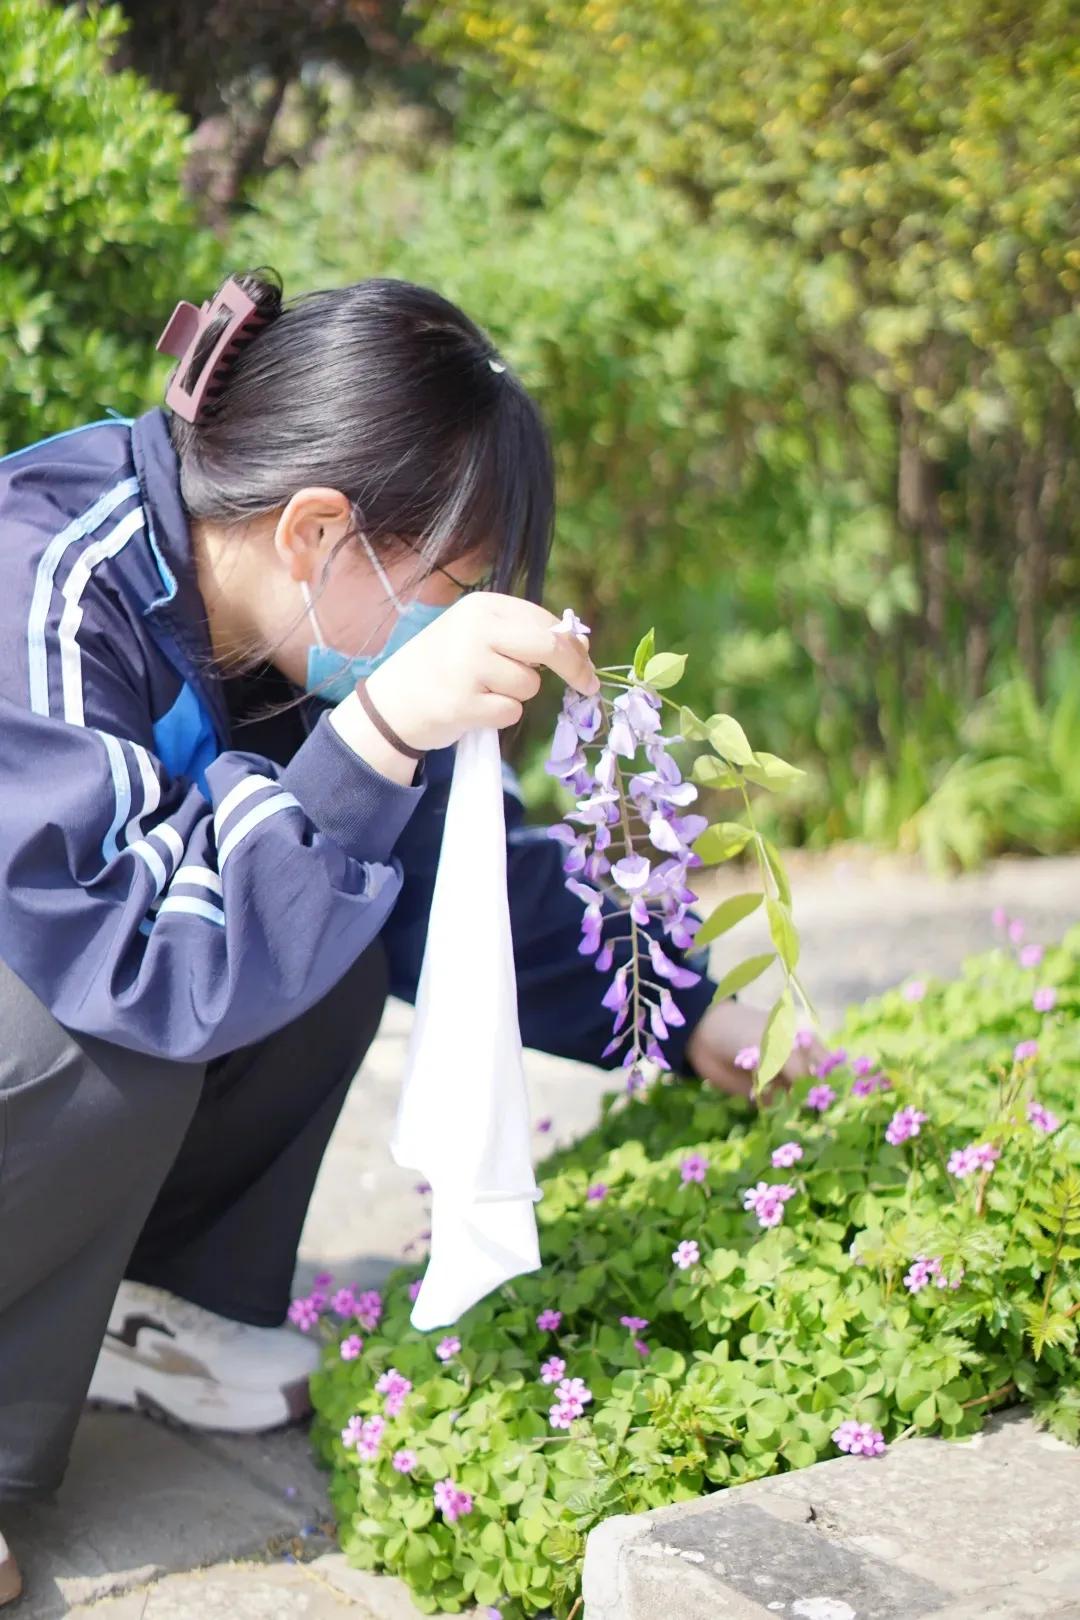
(982, 1529)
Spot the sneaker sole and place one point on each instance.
(195, 1403)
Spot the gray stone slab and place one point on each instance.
(957, 1530)
(232, 1592)
(141, 1500)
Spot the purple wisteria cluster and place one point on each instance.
(628, 840)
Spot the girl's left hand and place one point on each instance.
(724, 1030)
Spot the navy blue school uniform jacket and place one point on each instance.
(164, 883)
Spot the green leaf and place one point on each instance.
(770, 772)
(711, 772)
(729, 739)
(721, 841)
(727, 914)
(776, 867)
(777, 1040)
(644, 652)
(664, 670)
(690, 727)
(743, 974)
(783, 932)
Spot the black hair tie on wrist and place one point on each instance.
(382, 726)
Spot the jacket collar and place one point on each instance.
(176, 612)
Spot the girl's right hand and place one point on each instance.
(476, 665)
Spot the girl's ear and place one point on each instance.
(310, 525)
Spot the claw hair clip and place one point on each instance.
(192, 398)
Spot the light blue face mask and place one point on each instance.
(332, 674)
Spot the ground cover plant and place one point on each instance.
(891, 1248)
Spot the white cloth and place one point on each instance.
(463, 1114)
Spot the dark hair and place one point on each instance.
(381, 389)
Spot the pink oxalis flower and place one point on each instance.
(572, 1395)
(597, 1192)
(860, 1439)
(447, 1348)
(747, 1058)
(1031, 956)
(451, 1502)
(304, 1313)
(820, 1097)
(1042, 1118)
(694, 1167)
(915, 991)
(927, 1269)
(976, 1156)
(787, 1154)
(635, 1324)
(1025, 1051)
(552, 1370)
(905, 1123)
(404, 1461)
(767, 1201)
(1045, 999)
(351, 1347)
(686, 1255)
(549, 1321)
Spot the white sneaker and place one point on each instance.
(10, 1580)
(163, 1355)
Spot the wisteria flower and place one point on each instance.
(820, 1098)
(905, 1123)
(1044, 1000)
(787, 1154)
(695, 1167)
(351, 1347)
(573, 624)
(915, 991)
(447, 1348)
(748, 1058)
(860, 1439)
(549, 1321)
(552, 1370)
(635, 1324)
(597, 1192)
(767, 1201)
(1025, 1051)
(1031, 956)
(403, 1461)
(686, 1255)
(1042, 1118)
(451, 1502)
(304, 1313)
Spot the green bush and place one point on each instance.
(757, 1352)
(96, 240)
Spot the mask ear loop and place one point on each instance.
(305, 591)
(383, 577)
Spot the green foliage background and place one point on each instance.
(97, 241)
(795, 283)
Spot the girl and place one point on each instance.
(240, 637)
